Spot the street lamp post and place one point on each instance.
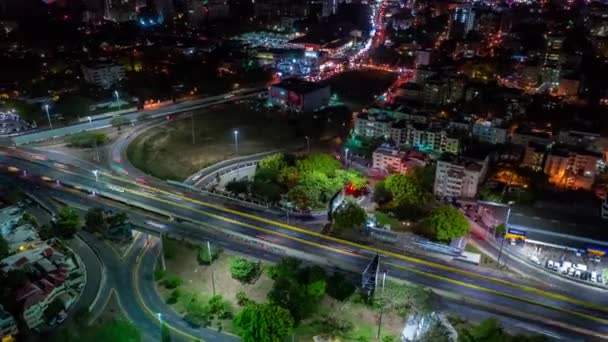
(48, 116)
(210, 267)
(383, 304)
(117, 98)
(160, 320)
(236, 141)
(307, 144)
(502, 242)
(162, 252)
(346, 158)
(90, 121)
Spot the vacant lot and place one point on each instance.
(168, 152)
(358, 88)
(197, 279)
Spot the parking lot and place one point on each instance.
(569, 263)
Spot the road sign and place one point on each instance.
(369, 278)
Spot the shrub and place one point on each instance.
(86, 139)
(172, 281)
(244, 270)
(339, 287)
(242, 299)
(159, 274)
(174, 296)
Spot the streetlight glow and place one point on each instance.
(236, 141)
(48, 116)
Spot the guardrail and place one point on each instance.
(218, 167)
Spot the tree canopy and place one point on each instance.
(348, 216)
(299, 290)
(264, 323)
(95, 220)
(446, 223)
(244, 270)
(404, 188)
(68, 221)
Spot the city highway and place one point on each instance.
(138, 292)
(583, 312)
(136, 116)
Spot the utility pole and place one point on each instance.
(162, 253)
(503, 238)
(383, 303)
(210, 266)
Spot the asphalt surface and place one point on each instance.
(134, 116)
(550, 305)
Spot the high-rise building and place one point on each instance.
(462, 20)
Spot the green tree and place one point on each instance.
(94, 220)
(299, 290)
(269, 191)
(500, 230)
(73, 106)
(352, 177)
(348, 216)
(117, 219)
(381, 194)
(271, 166)
(289, 176)
(172, 281)
(68, 221)
(405, 189)
(334, 325)
(264, 323)
(4, 250)
(338, 287)
(318, 162)
(446, 223)
(238, 187)
(244, 270)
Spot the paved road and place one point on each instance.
(135, 116)
(558, 305)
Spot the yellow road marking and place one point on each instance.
(368, 248)
(428, 274)
(334, 239)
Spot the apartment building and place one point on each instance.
(390, 159)
(572, 169)
(103, 73)
(491, 132)
(459, 176)
(370, 125)
(430, 138)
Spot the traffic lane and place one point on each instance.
(361, 263)
(146, 289)
(93, 271)
(554, 281)
(505, 284)
(219, 221)
(509, 322)
(426, 270)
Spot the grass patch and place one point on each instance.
(167, 151)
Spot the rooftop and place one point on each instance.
(560, 226)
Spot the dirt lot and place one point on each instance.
(167, 151)
(197, 279)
